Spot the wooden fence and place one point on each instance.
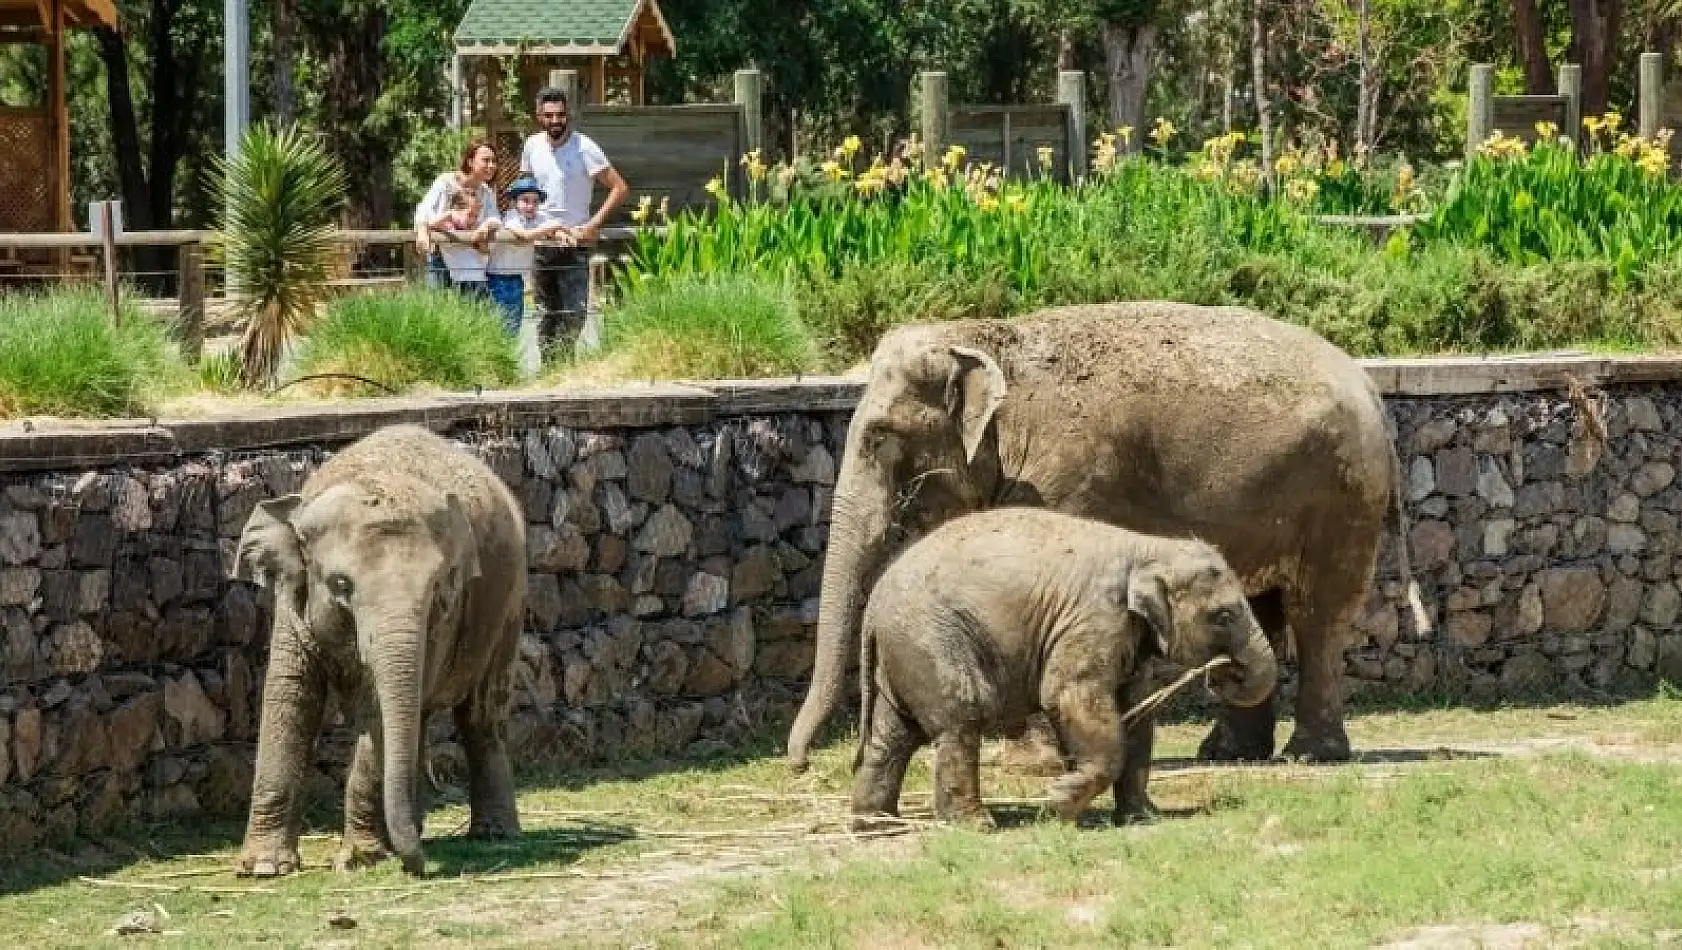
(1518, 116)
(1010, 136)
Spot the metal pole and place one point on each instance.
(236, 40)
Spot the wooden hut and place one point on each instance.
(607, 42)
(35, 139)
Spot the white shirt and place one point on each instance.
(466, 262)
(566, 173)
(509, 257)
(436, 203)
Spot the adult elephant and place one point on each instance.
(1219, 423)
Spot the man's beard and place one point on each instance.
(555, 135)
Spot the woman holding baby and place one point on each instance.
(460, 202)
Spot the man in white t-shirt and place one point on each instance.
(566, 165)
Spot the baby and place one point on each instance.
(464, 252)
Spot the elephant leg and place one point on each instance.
(1322, 620)
(1034, 751)
(1089, 725)
(481, 724)
(294, 700)
(890, 740)
(1132, 786)
(1247, 735)
(365, 842)
(957, 777)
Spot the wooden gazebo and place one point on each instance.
(35, 139)
(607, 42)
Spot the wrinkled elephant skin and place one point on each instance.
(995, 616)
(399, 582)
(1169, 419)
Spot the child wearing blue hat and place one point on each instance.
(511, 262)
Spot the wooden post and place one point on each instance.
(750, 96)
(1071, 91)
(1480, 109)
(1571, 87)
(936, 116)
(60, 130)
(190, 292)
(598, 80)
(414, 263)
(108, 247)
(457, 92)
(1651, 99)
(566, 80)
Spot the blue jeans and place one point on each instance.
(509, 292)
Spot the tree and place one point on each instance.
(1130, 32)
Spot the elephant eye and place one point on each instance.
(1225, 617)
(340, 585)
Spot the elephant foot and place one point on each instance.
(267, 858)
(1241, 741)
(356, 855)
(1323, 745)
(1030, 754)
(874, 821)
(494, 827)
(976, 819)
(1135, 811)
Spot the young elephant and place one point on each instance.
(995, 616)
(399, 579)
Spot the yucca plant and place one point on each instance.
(281, 194)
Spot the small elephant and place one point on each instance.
(993, 617)
(399, 581)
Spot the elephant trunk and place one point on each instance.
(857, 547)
(397, 681)
(1258, 670)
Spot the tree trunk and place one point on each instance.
(125, 130)
(1527, 22)
(1594, 31)
(1258, 79)
(285, 51)
(1127, 53)
(350, 42)
(1366, 103)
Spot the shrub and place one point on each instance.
(281, 194)
(60, 355)
(699, 327)
(406, 338)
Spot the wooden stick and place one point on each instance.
(1151, 702)
(172, 888)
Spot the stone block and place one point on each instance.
(706, 594)
(666, 534)
(20, 538)
(1573, 599)
(649, 476)
(1652, 478)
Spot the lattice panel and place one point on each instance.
(25, 189)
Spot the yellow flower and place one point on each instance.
(754, 166)
(1301, 190)
(1287, 163)
(988, 203)
(1205, 171)
(1104, 154)
(912, 150)
(1502, 146)
(850, 146)
(1612, 121)
(644, 207)
(1125, 133)
(955, 157)
(1547, 131)
(1045, 153)
(1246, 175)
(716, 188)
(1654, 162)
(1523, 201)
(1628, 146)
(1162, 132)
(833, 171)
(665, 208)
(1335, 168)
(937, 179)
(1016, 202)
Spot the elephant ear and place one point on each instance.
(1147, 598)
(453, 524)
(974, 389)
(269, 552)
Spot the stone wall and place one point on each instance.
(676, 538)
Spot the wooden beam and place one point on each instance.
(598, 79)
(44, 9)
(60, 112)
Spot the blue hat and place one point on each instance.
(525, 184)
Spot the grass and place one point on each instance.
(408, 338)
(60, 356)
(718, 853)
(707, 327)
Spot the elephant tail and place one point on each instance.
(1398, 522)
(867, 690)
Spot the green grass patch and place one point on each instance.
(720, 852)
(707, 327)
(61, 356)
(406, 339)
